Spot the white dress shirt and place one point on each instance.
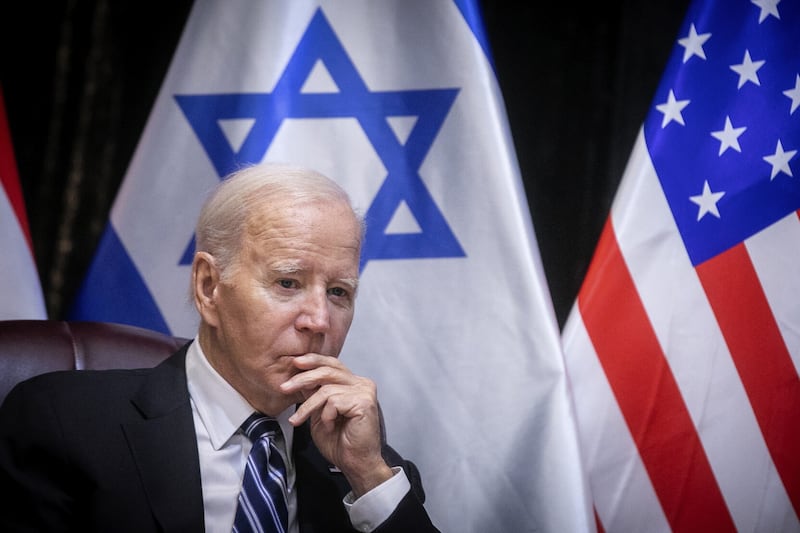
(219, 410)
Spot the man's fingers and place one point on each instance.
(305, 409)
(332, 401)
(314, 360)
(317, 370)
(329, 388)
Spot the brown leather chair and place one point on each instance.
(31, 347)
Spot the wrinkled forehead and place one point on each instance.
(329, 220)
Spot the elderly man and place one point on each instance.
(175, 448)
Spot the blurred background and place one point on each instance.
(80, 76)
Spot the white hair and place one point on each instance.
(224, 216)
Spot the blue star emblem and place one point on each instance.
(370, 108)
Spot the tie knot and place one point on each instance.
(259, 425)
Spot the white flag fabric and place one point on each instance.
(20, 288)
(683, 347)
(398, 102)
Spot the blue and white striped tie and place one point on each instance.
(262, 501)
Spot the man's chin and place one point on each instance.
(291, 399)
(296, 398)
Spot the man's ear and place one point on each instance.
(205, 280)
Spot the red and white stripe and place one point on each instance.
(20, 290)
(685, 380)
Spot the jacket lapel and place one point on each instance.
(164, 447)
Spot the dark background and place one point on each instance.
(80, 77)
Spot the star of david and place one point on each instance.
(370, 108)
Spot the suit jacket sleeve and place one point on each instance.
(320, 491)
(31, 470)
(78, 453)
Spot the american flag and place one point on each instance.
(683, 347)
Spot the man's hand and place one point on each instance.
(345, 419)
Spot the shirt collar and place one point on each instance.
(220, 407)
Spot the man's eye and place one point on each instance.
(287, 283)
(338, 292)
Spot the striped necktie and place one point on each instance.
(262, 501)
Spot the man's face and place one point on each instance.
(291, 292)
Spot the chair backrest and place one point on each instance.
(32, 347)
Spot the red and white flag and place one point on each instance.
(683, 347)
(19, 284)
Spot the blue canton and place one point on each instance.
(724, 131)
(354, 99)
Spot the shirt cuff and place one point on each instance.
(370, 510)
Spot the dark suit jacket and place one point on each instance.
(115, 450)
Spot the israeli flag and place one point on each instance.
(398, 102)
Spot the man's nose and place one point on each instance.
(314, 315)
